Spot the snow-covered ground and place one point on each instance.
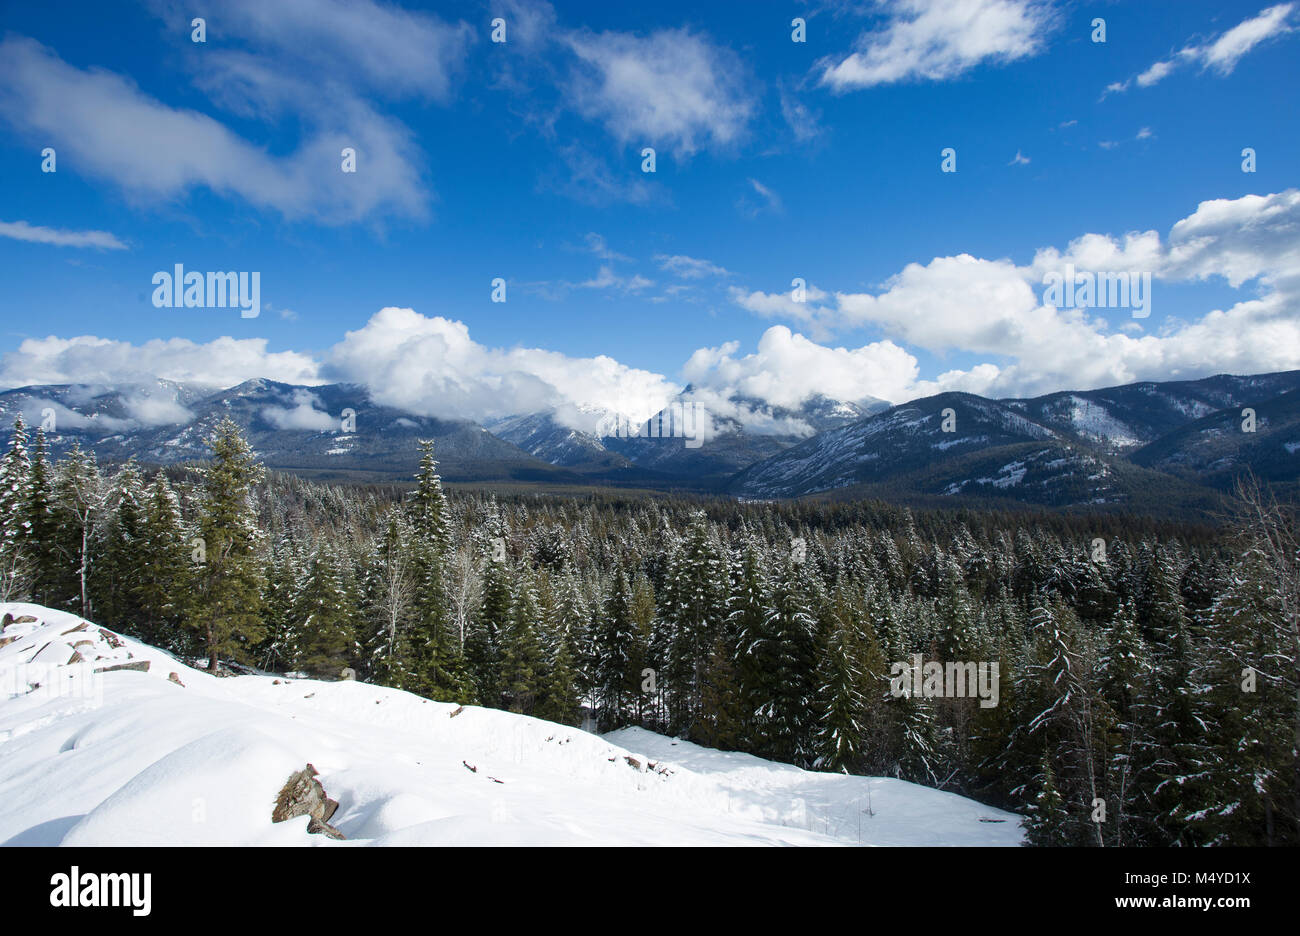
(148, 757)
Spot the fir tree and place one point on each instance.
(226, 610)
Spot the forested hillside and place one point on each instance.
(1147, 672)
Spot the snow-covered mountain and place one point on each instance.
(290, 427)
(105, 740)
(1119, 445)
(1144, 445)
(748, 431)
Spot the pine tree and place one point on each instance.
(392, 602)
(436, 667)
(839, 743)
(616, 642)
(1048, 821)
(695, 607)
(747, 618)
(483, 639)
(41, 528)
(162, 587)
(560, 700)
(789, 650)
(228, 583)
(17, 570)
(119, 548)
(522, 665)
(322, 622)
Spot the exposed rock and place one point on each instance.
(26, 619)
(110, 638)
(175, 677)
(140, 666)
(5, 641)
(71, 630)
(6, 620)
(303, 795)
(316, 827)
(459, 709)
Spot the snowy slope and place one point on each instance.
(139, 757)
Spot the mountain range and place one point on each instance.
(1143, 446)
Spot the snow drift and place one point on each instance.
(105, 740)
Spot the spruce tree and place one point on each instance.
(17, 570)
(322, 621)
(228, 583)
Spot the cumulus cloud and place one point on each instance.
(673, 88)
(934, 40)
(996, 308)
(431, 366)
(222, 362)
(21, 230)
(990, 310)
(1220, 54)
(788, 368)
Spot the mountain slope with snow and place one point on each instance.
(159, 752)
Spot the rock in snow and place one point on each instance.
(121, 757)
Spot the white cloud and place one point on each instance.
(165, 152)
(391, 50)
(222, 362)
(933, 40)
(685, 267)
(431, 366)
(1224, 53)
(155, 409)
(803, 122)
(990, 311)
(788, 368)
(304, 414)
(672, 88)
(996, 308)
(21, 230)
(1155, 74)
(1221, 54)
(770, 198)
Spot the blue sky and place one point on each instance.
(775, 160)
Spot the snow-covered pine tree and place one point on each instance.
(322, 619)
(616, 645)
(696, 606)
(118, 546)
(789, 646)
(226, 610)
(17, 570)
(522, 663)
(162, 588)
(842, 688)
